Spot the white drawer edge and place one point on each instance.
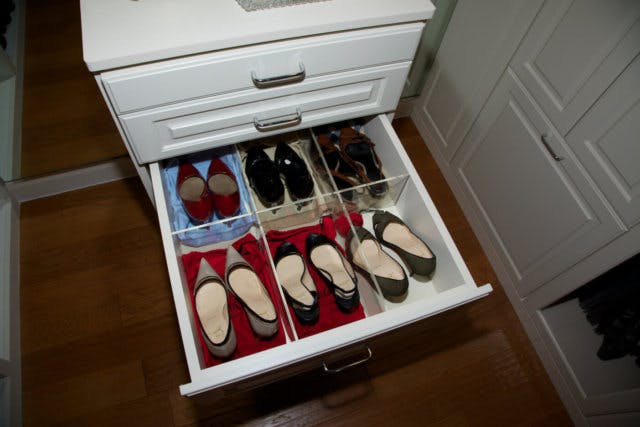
(182, 311)
(426, 198)
(297, 351)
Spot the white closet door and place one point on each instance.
(473, 54)
(607, 141)
(541, 213)
(572, 53)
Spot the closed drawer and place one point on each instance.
(235, 70)
(221, 120)
(451, 284)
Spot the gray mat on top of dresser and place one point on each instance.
(251, 5)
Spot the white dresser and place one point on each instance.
(183, 77)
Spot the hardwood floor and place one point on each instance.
(101, 345)
(65, 120)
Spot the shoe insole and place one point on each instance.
(295, 278)
(246, 284)
(211, 305)
(191, 189)
(327, 259)
(381, 263)
(222, 184)
(402, 237)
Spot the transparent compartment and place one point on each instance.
(350, 176)
(301, 142)
(402, 198)
(217, 228)
(322, 215)
(251, 246)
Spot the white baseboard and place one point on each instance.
(50, 185)
(10, 353)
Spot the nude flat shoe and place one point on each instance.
(213, 312)
(335, 270)
(223, 188)
(394, 234)
(246, 286)
(193, 193)
(297, 283)
(390, 275)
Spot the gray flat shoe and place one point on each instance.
(388, 273)
(414, 252)
(247, 287)
(212, 312)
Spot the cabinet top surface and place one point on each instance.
(119, 33)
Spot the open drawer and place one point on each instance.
(450, 285)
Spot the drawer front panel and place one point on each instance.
(213, 122)
(230, 71)
(450, 286)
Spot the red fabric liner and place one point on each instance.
(248, 342)
(330, 315)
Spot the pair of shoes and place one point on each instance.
(342, 172)
(297, 283)
(210, 294)
(200, 198)
(264, 175)
(353, 161)
(394, 234)
(390, 275)
(335, 270)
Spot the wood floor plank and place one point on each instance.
(69, 399)
(151, 411)
(66, 122)
(102, 351)
(81, 216)
(165, 372)
(65, 310)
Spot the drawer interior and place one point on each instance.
(340, 210)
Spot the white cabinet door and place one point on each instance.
(473, 54)
(607, 141)
(541, 213)
(572, 53)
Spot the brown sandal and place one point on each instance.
(339, 165)
(358, 151)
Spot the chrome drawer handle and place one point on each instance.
(552, 153)
(280, 80)
(278, 124)
(350, 365)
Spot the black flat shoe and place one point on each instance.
(297, 283)
(335, 270)
(264, 177)
(294, 169)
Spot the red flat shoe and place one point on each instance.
(224, 188)
(193, 192)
